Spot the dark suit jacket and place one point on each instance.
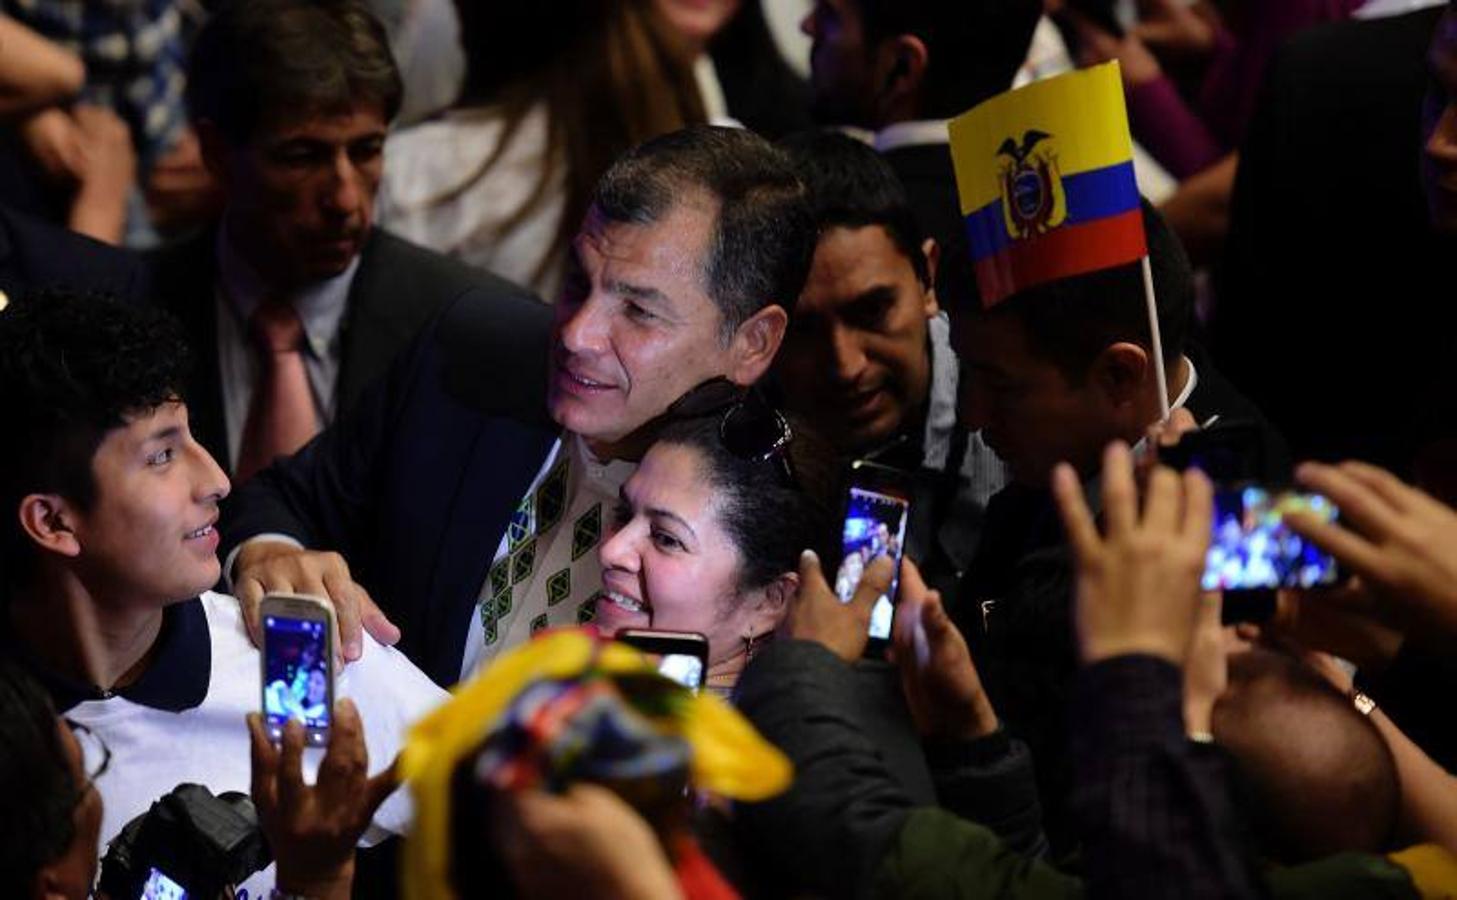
(1023, 644)
(397, 289)
(416, 483)
(35, 254)
(1333, 310)
(930, 182)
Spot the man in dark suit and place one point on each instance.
(36, 255)
(293, 300)
(450, 497)
(901, 68)
(1058, 372)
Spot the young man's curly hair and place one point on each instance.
(73, 366)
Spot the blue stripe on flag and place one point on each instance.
(1092, 195)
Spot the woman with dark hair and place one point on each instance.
(710, 528)
(503, 180)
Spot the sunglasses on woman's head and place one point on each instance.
(755, 431)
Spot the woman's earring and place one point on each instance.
(753, 643)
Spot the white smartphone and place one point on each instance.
(298, 665)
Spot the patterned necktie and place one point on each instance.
(281, 416)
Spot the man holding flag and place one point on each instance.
(1071, 304)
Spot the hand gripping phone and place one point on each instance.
(877, 511)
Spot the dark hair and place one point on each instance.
(72, 367)
(40, 791)
(770, 522)
(974, 47)
(259, 58)
(1316, 776)
(1070, 321)
(764, 237)
(852, 186)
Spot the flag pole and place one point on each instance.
(1158, 340)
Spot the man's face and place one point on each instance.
(1439, 127)
(839, 62)
(635, 328)
(1027, 410)
(856, 361)
(301, 193)
(150, 537)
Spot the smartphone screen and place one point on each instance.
(1252, 549)
(296, 675)
(679, 656)
(875, 526)
(160, 887)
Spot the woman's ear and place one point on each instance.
(774, 603)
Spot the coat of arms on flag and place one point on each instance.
(1045, 175)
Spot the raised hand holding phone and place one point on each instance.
(818, 615)
(877, 514)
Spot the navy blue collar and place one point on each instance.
(175, 680)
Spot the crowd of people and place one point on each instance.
(499, 329)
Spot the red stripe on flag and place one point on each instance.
(1062, 253)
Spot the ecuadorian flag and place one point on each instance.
(1046, 180)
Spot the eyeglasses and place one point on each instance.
(755, 431)
(95, 755)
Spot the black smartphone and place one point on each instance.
(1251, 548)
(680, 656)
(298, 665)
(1227, 450)
(877, 510)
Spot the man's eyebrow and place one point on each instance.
(881, 293)
(636, 291)
(668, 514)
(167, 433)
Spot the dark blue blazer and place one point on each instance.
(36, 254)
(415, 484)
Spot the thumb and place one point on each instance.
(811, 576)
(874, 583)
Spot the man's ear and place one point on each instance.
(900, 68)
(214, 148)
(46, 519)
(932, 251)
(755, 343)
(1122, 373)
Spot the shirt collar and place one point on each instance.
(907, 134)
(941, 405)
(320, 305)
(1377, 9)
(175, 680)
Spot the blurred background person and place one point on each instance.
(503, 179)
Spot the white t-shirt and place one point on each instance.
(153, 750)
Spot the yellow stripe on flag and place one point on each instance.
(1083, 111)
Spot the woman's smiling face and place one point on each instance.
(670, 564)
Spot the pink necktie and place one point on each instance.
(281, 416)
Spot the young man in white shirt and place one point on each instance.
(109, 554)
